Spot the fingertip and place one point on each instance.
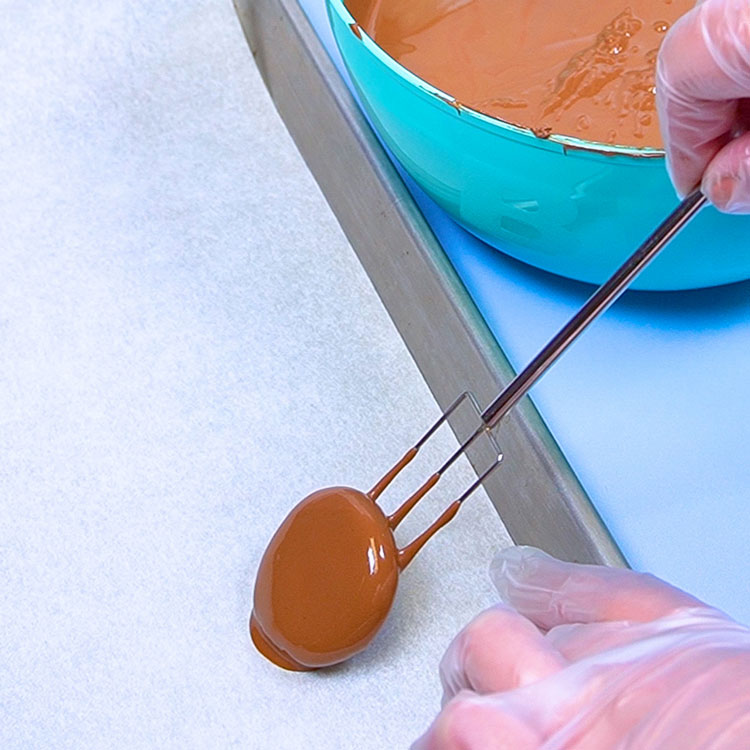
(514, 568)
(719, 189)
(687, 153)
(471, 722)
(498, 650)
(683, 178)
(726, 182)
(532, 582)
(513, 563)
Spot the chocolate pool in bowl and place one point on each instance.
(572, 67)
(559, 164)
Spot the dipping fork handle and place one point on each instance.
(607, 293)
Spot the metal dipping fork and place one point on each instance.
(602, 298)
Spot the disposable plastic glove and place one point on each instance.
(592, 658)
(702, 92)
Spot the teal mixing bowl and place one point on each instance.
(571, 207)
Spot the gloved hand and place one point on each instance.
(702, 95)
(592, 658)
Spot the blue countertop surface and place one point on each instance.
(649, 406)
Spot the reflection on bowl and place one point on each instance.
(565, 205)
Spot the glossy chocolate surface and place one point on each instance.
(571, 67)
(326, 581)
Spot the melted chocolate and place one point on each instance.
(328, 577)
(570, 67)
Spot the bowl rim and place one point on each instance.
(566, 141)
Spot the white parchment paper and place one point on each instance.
(188, 347)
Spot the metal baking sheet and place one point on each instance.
(536, 493)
